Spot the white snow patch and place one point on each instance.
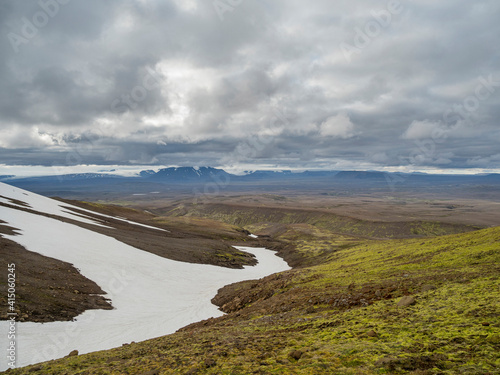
(152, 296)
(50, 206)
(122, 219)
(41, 204)
(253, 236)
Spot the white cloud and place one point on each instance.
(18, 137)
(422, 129)
(222, 83)
(338, 126)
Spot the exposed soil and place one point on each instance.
(47, 289)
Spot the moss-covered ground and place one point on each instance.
(413, 306)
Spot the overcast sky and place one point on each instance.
(251, 84)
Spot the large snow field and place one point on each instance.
(152, 296)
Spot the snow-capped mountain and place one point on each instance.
(187, 174)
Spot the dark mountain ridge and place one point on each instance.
(185, 179)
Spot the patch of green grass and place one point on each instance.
(463, 253)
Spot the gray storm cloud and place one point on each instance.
(284, 83)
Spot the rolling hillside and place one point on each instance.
(407, 306)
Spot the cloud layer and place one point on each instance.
(286, 84)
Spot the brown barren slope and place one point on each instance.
(189, 240)
(47, 289)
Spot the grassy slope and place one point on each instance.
(340, 317)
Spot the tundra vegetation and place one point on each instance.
(355, 303)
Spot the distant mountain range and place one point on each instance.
(188, 174)
(179, 175)
(202, 174)
(184, 178)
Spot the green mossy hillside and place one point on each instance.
(379, 307)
